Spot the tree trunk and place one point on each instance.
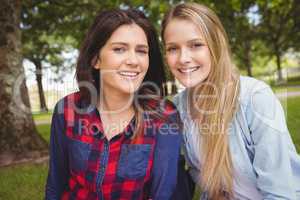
(279, 72)
(18, 134)
(38, 74)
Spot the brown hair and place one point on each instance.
(100, 31)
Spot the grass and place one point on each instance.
(293, 120)
(42, 116)
(27, 182)
(282, 89)
(291, 81)
(24, 182)
(290, 85)
(44, 131)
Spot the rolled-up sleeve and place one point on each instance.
(272, 145)
(166, 155)
(58, 163)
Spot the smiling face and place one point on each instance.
(187, 53)
(124, 60)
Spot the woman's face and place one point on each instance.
(187, 53)
(124, 60)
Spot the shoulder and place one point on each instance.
(67, 104)
(169, 127)
(169, 108)
(253, 90)
(165, 119)
(260, 105)
(164, 111)
(62, 114)
(251, 85)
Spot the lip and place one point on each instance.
(188, 70)
(129, 74)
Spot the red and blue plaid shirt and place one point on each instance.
(85, 165)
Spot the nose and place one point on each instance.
(132, 59)
(184, 57)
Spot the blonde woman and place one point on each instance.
(236, 139)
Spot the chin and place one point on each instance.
(188, 84)
(129, 90)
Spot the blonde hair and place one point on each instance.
(216, 168)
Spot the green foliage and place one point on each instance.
(43, 42)
(242, 31)
(257, 29)
(52, 27)
(279, 27)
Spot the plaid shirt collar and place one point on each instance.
(92, 111)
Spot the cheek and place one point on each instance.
(206, 56)
(175, 72)
(145, 65)
(143, 61)
(208, 66)
(171, 61)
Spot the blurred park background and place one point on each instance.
(39, 41)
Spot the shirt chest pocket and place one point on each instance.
(78, 155)
(133, 161)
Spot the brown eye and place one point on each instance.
(119, 49)
(171, 49)
(196, 45)
(142, 51)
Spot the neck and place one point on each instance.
(114, 102)
(116, 110)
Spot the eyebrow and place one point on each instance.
(196, 40)
(126, 44)
(189, 41)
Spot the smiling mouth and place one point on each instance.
(188, 70)
(128, 74)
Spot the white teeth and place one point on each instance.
(188, 70)
(131, 74)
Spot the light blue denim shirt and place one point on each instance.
(266, 164)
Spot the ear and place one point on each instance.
(97, 63)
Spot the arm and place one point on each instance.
(58, 164)
(272, 145)
(166, 155)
